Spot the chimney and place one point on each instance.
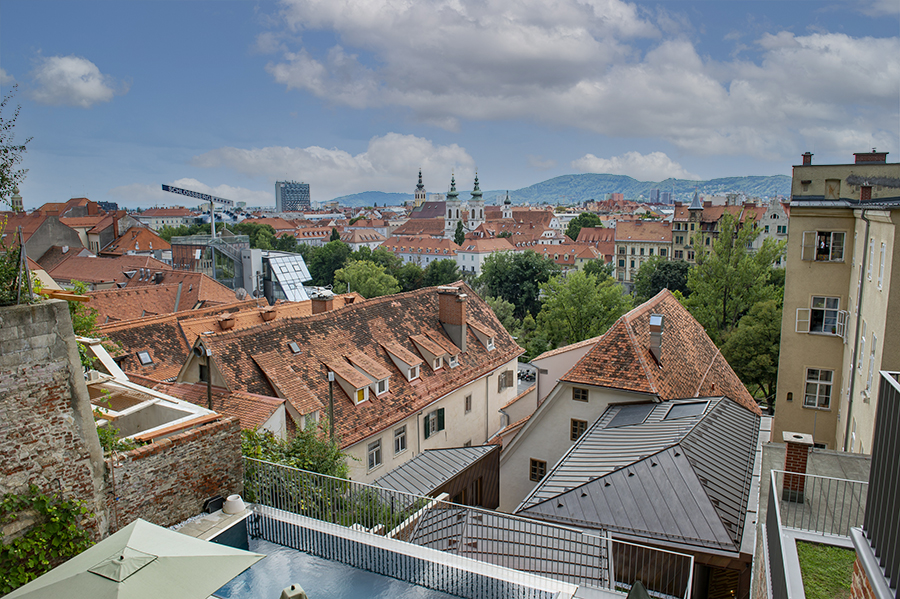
(322, 304)
(656, 333)
(872, 157)
(157, 278)
(65, 249)
(795, 456)
(452, 314)
(807, 158)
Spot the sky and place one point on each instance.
(228, 96)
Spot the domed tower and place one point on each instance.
(507, 207)
(453, 209)
(476, 206)
(420, 192)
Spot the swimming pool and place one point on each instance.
(320, 578)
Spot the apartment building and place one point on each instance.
(839, 299)
(638, 241)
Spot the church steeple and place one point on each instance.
(476, 206)
(476, 193)
(420, 192)
(696, 204)
(452, 195)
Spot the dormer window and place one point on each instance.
(381, 387)
(490, 344)
(454, 361)
(413, 373)
(438, 362)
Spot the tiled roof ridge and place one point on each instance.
(186, 314)
(577, 345)
(708, 369)
(648, 305)
(640, 353)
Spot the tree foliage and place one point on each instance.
(410, 276)
(366, 278)
(261, 236)
(167, 232)
(11, 153)
(727, 281)
(752, 348)
(309, 449)
(657, 274)
(517, 278)
(335, 236)
(585, 219)
(326, 260)
(599, 268)
(286, 243)
(579, 306)
(441, 272)
(459, 237)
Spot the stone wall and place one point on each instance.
(168, 481)
(47, 433)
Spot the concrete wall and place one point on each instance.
(167, 482)
(47, 433)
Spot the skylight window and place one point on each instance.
(294, 347)
(144, 358)
(685, 410)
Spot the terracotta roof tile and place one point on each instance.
(433, 227)
(691, 364)
(402, 353)
(369, 366)
(136, 239)
(650, 231)
(286, 383)
(481, 329)
(251, 409)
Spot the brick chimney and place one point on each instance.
(795, 456)
(872, 157)
(322, 304)
(807, 158)
(452, 314)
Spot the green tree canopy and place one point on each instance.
(578, 306)
(324, 261)
(261, 236)
(410, 276)
(503, 310)
(727, 281)
(366, 278)
(335, 236)
(441, 272)
(657, 274)
(380, 256)
(167, 232)
(752, 348)
(11, 153)
(286, 243)
(599, 268)
(517, 278)
(309, 449)
(585, 219)
(460, 236)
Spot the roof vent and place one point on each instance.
(656, 333)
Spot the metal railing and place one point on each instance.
(527, 545)
(819, 504)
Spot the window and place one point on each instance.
(642, 251)
(621, 264)
(621, 249)
(766, 229)
(662, 252)
(505, 380)
(692, 226)
(871, 364)
(204, 373)
(454, 361)
(881, 267)
(400, 439)
(579, 394)
(490, 344)
(679, 239)
(781, 229)
(144, 357)
(871, 258)
(818, 388)
(651, 251)
(413, 373)
(690, 256)
(438, 362)
(374, 454)
(632, 251)
(862, 348)
(538, 470)
(434, 422)
(468, 403)
(823, 246)
(577, 429)
(707, 241)
(632, 264)
(679, 255)
(381, 387)
(823, 314)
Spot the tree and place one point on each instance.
(335, 236)
(309, 449)
(728, 280)
(380, 256)
(366, 278)
(503, 310)
(11, 154)
(326, 260)
(167, 232)
(752, 348)
(286, 243)
(578, 306)
(261, 236)
(585, 219)
(440, 272)
(657, 274)
(460, 236)
(517, 277)
(599, 268)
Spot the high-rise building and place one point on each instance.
(841, 298)
(291, 196)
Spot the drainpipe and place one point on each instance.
(862, 268)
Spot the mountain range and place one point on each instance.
(576, 189)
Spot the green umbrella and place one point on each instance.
(142, 561)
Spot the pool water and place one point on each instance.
(320, 578)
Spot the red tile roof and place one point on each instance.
(433, 227)
(251, 409)
(420, 245)
(691, 364)
(136, 239)
(649, 231)
(103, 270)
(486, 245)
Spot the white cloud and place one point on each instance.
(655, 166)
(878, 8)
(6, 78)
(582, 64)
(539, 163)
(140, 194)
(390, 163)
(73, 81)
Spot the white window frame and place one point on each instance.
(467, 403)
(413, 373)
(804, 316)
(438, 362)
(453, 361)
(871, 258)
(881, 267)
(871, 364)
(381, 387)
(144, 361)
(373, 455)
(400, 444)
(812, 240)
(819, 384)
(862, 348)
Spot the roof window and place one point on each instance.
(685, 410)
(144, 358)
(294, 347)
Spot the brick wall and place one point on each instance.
(167, 482)
(860, 588)
(47, 434)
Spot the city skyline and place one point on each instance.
(228, 97)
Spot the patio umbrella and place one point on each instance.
(142, 561)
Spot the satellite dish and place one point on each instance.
(240, 293)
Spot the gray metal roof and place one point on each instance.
(432, 468)
(683, 481)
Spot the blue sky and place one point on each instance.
(229, 96)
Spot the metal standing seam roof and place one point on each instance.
(432, 468)
(693, 490)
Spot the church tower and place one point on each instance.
(420, 192)
(453, 209)
(476, 207)
(507, 207)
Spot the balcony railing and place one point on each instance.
(819, 504)
(540, 548)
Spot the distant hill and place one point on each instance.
(575, 189)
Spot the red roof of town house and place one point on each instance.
(135, 239)
(565, 254)
(103, 270)
(420, 245)
(279, 224)
(29, 223)
(162, 212)
(362, 236)
(433, 227)
(486, 245)
(647, 231)
(252, 410)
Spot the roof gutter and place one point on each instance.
(859, 298)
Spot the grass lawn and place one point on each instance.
(827, 571)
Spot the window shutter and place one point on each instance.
(440, 420)
(427, 426)
(808, 251)
(802, 325)
(843, 315)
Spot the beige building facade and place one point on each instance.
(841, 297)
